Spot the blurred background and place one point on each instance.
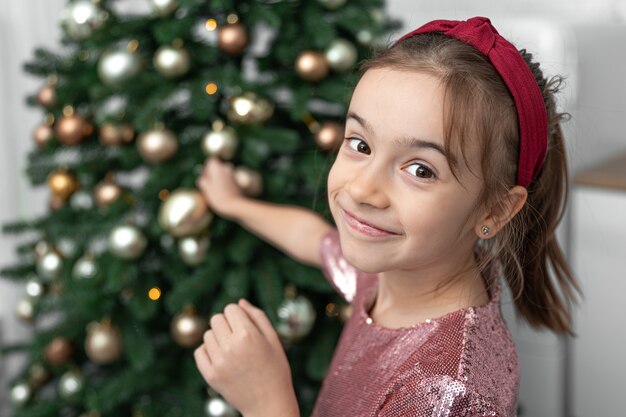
(581, 40)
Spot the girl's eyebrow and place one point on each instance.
(405, 141)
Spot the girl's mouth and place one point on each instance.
(364, 227)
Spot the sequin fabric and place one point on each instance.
(461, 364)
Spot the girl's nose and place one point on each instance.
(368, 187)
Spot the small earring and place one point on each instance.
(485, 230)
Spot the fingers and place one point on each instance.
(259, 318)
(221, 327)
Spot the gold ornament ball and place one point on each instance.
(106, 193)
(103, 344)
(187, 328)
(329, 136)
(249, 108)
(171, 62)
(127, 242)
(50, 265)
(110, 134)
(37, 375)
(117, 66)
(42, 135)
(221, 143)
(232, 38)
(157, 145)
(71, 130)
(184, 213)
(47, 96)
(59, 351)
(193, 249)
(249, 181)
(341, 55)
(62, 183)
(312, 66)
(26, 309)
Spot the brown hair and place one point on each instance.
(479, 109)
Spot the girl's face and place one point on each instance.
(395, 201)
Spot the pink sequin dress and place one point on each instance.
(461, 364)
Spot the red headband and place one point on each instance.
(509, 63)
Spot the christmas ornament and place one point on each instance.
(25, 309)
(312, 66)
(71, 384)
(221, 141)
(193, 249)
(81, 200)
(187, 328)
(20, 394)
(329, 136)
(66, 247)
(81, 18)
(218, 407)
(62, 183)
(232, 38)
(37, 375)
(42, 135)
(34, 288)
(341, 55)
(41, 248)
(47, 96)
(103, 343)
(85, 268)
(296, 317)
(117, 66)
(114, 135)
(184, 213)
(72, 128)
(50, 265)
(157, 145)
(365, 37)
(106, 192)
(249, 108)
(345, 312)
(163, 7)
(172, 62)
(249, 181)
(55, 202)
(127, 242)
(332, 4)
(59, 351)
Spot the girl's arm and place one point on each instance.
(294, 230)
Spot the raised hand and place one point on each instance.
(218, 186)
(242, 359)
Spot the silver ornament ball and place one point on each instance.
(81, 200)
(34, 288)
(193, 249)
(341, 55)
(127, 242)
(296, 317)
(171, 62)
(20, 394)
(218, 407)
(85, 267)
(184, 213)
(50, 265)
(71, 383)
(163, 7)
(81, 18)
(116, 66)
(221, 143)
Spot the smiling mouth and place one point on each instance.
(364, 227)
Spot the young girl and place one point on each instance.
(452, 175)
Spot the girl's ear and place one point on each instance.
(500, 213)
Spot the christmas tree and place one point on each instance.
(124, 270)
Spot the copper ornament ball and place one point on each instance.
(59, 351)
(232, 38)
(106, 193)
(111, 134)
(187, 328)
(42, 135)
(46, 97)
(71, 130)
(330, 135)
(312, 65)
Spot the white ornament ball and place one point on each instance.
(117, 66)
(50, 265)
(163, 7)
(184, 213)
(193, 249)
(20, 394)
(218, 407)
(81, 18)
(341, 55)
(295, 318)
(85, 267)
(221, 143)
(171, 62)
(71, 383)
(34, 288)
(127, 242)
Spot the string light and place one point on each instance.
(210, 25)
(211, 88)
(154, 293)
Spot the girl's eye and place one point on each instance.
(358, 145)
(421, 171)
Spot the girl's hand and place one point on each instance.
(242, 359)
(218, 186)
